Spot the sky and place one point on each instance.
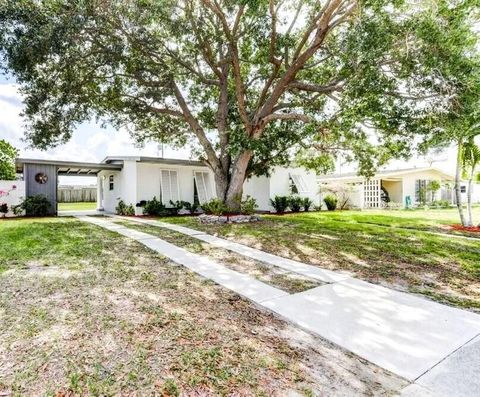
(92, 143)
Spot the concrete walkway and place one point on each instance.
(317, 273)
(413, 337)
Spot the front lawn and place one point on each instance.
(389, 248)
(435, 220)
(85, 311)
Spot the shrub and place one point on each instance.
(154, 207)
(4, 209)
(177, 205)
(441, 204)
(307, 203)
(124, 209)
(33, 206)
(295, 203)
(280, 203)
(215, 207)
(192, 208)
(318, 207)
(248, 206)
(330, 202)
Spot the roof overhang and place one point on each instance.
(71, 168)
(152, 160)
(386, 175)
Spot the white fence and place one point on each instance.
(11, 193)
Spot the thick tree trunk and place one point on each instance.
(221, 184)
(229, 187)
(458, 172)
(233, 196)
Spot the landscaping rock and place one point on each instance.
(215, 219)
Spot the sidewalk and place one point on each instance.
(403, 333)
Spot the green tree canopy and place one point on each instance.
(247, 84)
(7, 161)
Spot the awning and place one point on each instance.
(71, 168)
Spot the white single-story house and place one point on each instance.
(402, 186)
(142, 178)
(138, 179)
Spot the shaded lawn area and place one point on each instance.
(83, 206)
(444, 268)
(85, 311)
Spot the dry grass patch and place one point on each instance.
(128, 322)
(269, 274)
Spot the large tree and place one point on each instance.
(452, 50)
(7, 161)
(246, 83)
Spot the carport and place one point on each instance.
(41, 176)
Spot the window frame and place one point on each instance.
(299, 182)
(169, 170)
(209, 195)
(111, 182)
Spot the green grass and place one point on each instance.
(394, 248)
(76, 206)
(85, 311)
(436, 220)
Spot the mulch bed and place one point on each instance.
(460, 228)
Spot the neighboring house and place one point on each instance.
(141, 178)
(138, 179)
(404, 186)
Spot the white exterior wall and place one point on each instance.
(280, 183)
(357, 196)
(148, 181)
(475, 192)
(128, 182)
(258, 187)
(110, 197)
(408, 185)
(12, 193)
(141, 181)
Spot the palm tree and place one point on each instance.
(470, 160)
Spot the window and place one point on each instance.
(169, 186)
(110, 182)
(421, 190)
(463, 189)
(298, 184)
(203, 186)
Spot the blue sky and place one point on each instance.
(91, 143)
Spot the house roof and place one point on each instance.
(353, 176)
(155, 160)
(69, 167)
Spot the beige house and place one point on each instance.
(403, 187)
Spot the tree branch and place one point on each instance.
(196, 128)
(287, 116)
